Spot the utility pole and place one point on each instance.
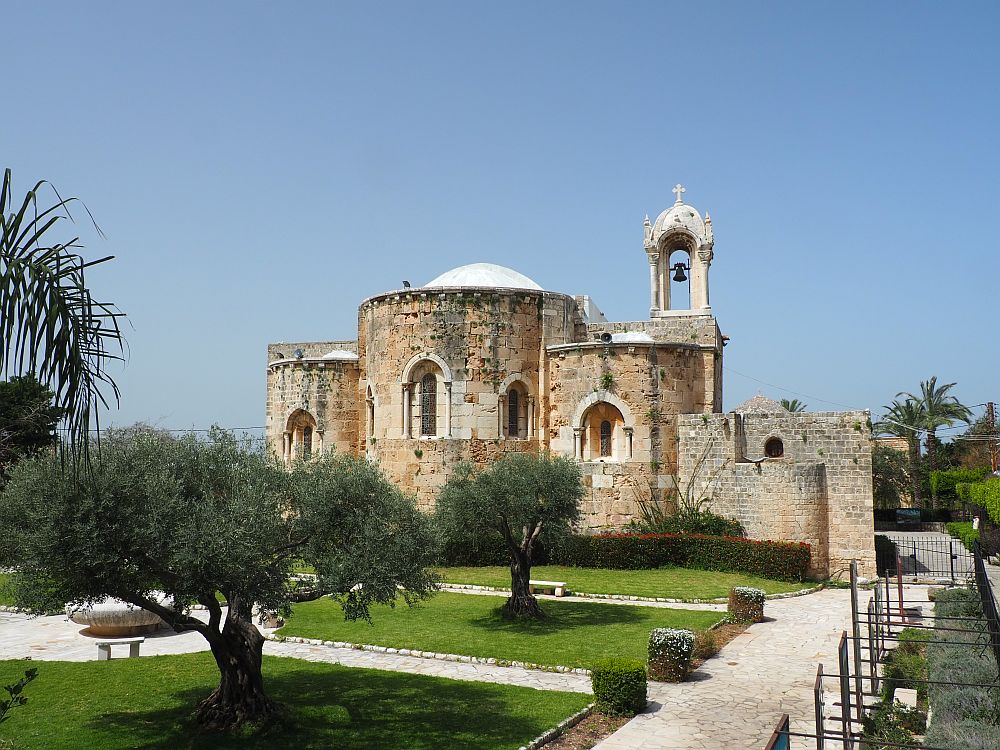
(991, 419)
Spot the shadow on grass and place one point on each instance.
(560, 617)
(338, 707)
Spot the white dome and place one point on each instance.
(679, 216)
(761, 404)
(484, 275)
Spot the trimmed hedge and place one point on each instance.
(943, 483)
(619, 686)
(782, 561)
(670, 652)
(986, 494)
(746, 604)
(963, 531)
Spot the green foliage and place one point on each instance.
(963, 531)
(891, 723)
(619, 686)
(965, 717)
(793, 405)
(986, 494)
(50, 324)
(891, 481)
(943, 482)
(783, 561)
(15, 696)
(607, 380)
(655, 520)
(483, 517)
(27, 419)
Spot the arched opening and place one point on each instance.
(774, 448)
(302, 440)
(426, 400)
(516, 407)
(603, 434)
(679, 295)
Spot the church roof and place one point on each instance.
(761, 405)
(680, 215)
(484, 275)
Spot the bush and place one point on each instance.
(619, 686)
(965, 717)
(885, 555)
(943, 483)
(784, 561)
(963, 531)
(670, 652)
(891, 723)
(693, 522)
(986, 494)
(705, 645)
(746, 604)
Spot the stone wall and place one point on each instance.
(818, 492)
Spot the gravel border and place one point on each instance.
(560, 729)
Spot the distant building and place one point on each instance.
(482, 361)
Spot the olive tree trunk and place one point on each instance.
(521, 604)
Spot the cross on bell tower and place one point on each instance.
(679, 191)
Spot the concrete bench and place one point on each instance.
(104, 646)
(558, 587)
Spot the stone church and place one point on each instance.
(481, 361)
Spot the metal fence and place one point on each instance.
(989, 602)
(945, 559)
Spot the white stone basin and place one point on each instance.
(113, 617)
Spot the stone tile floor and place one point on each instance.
(732, 701)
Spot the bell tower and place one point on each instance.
(679, 249)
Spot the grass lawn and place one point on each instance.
(573, 634)
(147, 703)
(6, 600)
(668, 583)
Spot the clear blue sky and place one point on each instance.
(261, 168)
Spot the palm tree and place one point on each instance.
(794, 405)
(905, 419)
(50, 325)
(940, 410)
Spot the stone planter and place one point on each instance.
(746, 604)
(114, 618)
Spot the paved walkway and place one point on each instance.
(734, 700)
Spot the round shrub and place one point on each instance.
(746, 604)
(619, 686)
(670, 652)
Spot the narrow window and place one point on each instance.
(307, 442)
(513, 413)
(605, 438)
(428, 405)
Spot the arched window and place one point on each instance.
(605, 439)
(428, 404)
(774, 448)
(513, 414)
(300, 437)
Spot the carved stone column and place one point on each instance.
(407, 409)
(654, 282)
(578, 443)
(628, 443)
(447, 409)
(531, 417)
(286, 446)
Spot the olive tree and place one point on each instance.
(201, 520)
(513, 499)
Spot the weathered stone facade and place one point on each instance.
(482, 361)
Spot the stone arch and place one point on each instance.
(774, 447)
(681, 239)
(602, 428)
(424, 356)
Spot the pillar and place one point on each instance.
(628, 443)
(654, 286)
(406, 410)
(531, 417)
(447, 409)
(319, 442)
(501, 408)
(286, 446)
(578, 443)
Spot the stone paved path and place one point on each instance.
(734, 700)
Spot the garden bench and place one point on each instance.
(104, 646)
(558, 587)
